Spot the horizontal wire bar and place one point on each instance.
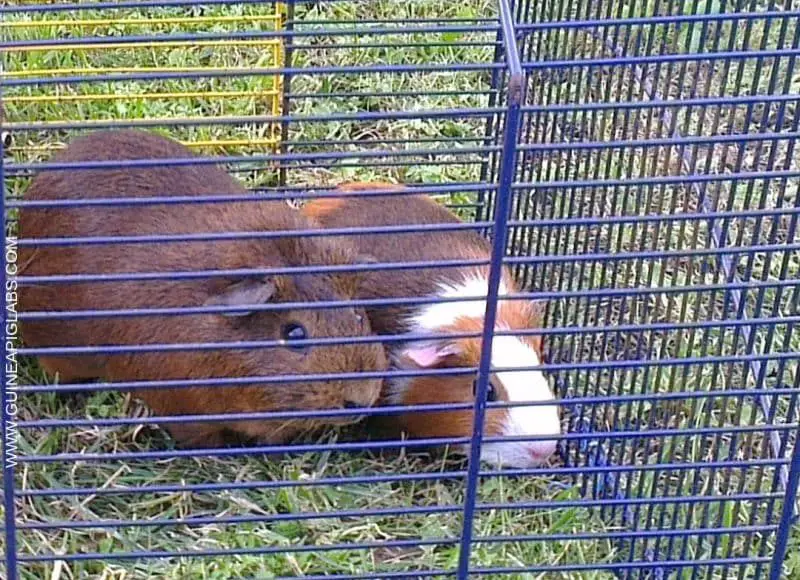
(155, 21)
(410, 190)
(652, 21)
(245, 485)
(60, 98)
(663, 141)
(728, 56)
(406, 28)
(154, 43)
(573, 184)
(412, 542)
(157, 69)
(393, 94)
(74, 422)
(437, 476)
(136, 4)
(241, 159)
(248, 345)
(317, 515)
(570, 185)
(488, 43)
(379, 141)
(274, 271)
(708, 563)
(217, 553)
(417, 574)
(474, 150)
(428, 300)
(688, 103)
(350, 447)
(231, 381)
(45, 45)
(248, 235)
(236, 520)
(257, 72)
(256, 196)
(417, 20)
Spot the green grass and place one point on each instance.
(251, 96)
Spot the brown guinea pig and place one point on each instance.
(450, 317)
(287, 326)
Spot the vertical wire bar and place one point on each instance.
(483, 197)
(568, 78)
(532, 45)
(502, 207)
(582, 310)
(787, 514)
(6, 420)
(286, 87)
(608, 40)
(705, 513)
(655, 514)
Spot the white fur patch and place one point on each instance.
(434, 316)
(523, 386)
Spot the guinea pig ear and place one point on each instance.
(248, 292)
(429, 354)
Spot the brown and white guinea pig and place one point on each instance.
(443, 318)
(287, 326)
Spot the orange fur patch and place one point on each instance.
(355, 186)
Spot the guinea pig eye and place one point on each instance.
(294, 332)
(491, 392)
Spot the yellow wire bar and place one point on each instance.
(121, 70)
(142, 21)
(269, 142)
(139, 44)
(143, 96)
(238, 120)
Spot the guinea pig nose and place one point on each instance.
(542, 450)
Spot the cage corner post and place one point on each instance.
(514, 85)
(791, 500)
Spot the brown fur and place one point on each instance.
(188, 256)
(376, 210)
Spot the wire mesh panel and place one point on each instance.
(634, 166)
(658, 195)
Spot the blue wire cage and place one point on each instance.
(633, 163)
